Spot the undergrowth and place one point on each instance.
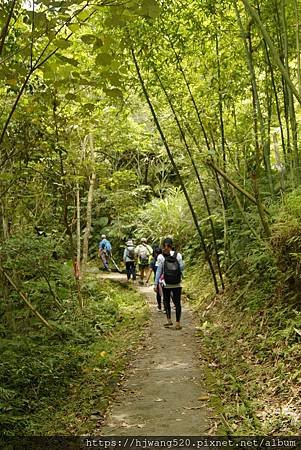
(59, 382)
(251, 356)
(251, 333)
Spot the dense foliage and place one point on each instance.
(141, 118)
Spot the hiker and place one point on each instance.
(144, 253)
(170, 267)
(154, 266)
(105, 251)
(129, 260)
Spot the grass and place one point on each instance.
(251, 356)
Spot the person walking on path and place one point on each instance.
(154, 266)
(171, 267)
(105, 252)
(144, 252)
(129, 260)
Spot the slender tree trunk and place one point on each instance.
(291, 107)
(288, 156)
(280, 167)
(5, 27)
(170, 155)
(222, 194)
(223, 146)
(3, 280)
(298, 55)
(235, 185)
(272, 48)
(257, 113)
(26, 301)
(63, 181)
(220, 103)
(77, 259)
(182, 133)
(89, 204)
(191, 96)
(271, 69)
(78, 220)
(247, 40)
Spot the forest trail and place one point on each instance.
(162, 393)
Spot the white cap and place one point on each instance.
(129, 242)
(103, 236)
(143, 240)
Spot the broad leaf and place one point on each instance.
(62, 43)
(103, 59)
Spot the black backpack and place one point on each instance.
(172, 271)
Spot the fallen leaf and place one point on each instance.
(204, 398)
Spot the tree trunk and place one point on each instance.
(272, 48)
(197, 176)
(78, 243)
(170, 155)
(89, 205)
(26, 301)
(247, 41)
(290, 101)
(298, 56)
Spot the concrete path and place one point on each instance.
(162, 393)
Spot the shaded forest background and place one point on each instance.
(150, 118)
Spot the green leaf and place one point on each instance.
(71, 96)
(83, 16)
(114, 78)
(89, 106)
(67, 60)
(62, 43)
(73, 27)
(103, 59)
(88, 38)
(150, 8)
(40, 19)
(115, 93)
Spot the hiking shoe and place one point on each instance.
(177, 327)
(168, 324)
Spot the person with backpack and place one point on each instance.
(143, 253)
(105, 252)
(129, 260)
(170, 268)
(154, 266)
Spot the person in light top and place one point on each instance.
(143, 253)
(129, 260)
